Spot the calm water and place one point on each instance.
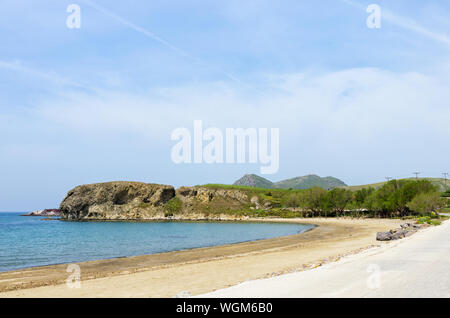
(31, 241)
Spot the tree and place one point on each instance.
(394, 196)
(338, 200)
(316, 199)
(362, 195)
(425, 203)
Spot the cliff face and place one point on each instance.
(142, 201)
(202, 199)
(203, 203)
(116, 201)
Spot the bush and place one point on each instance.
(435, 222)
(422, 220)
(173, 206)
(426, 203)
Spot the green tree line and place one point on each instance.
(396, 198)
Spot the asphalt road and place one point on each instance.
(418, 266)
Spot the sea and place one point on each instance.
(28, 241)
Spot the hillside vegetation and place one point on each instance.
(396, 198)
(438, 182)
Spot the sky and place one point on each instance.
(99, 103)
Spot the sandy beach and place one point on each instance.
(414, 267)
(202, 270)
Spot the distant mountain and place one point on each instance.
(305, 182)
(252, 180)
(310, 181)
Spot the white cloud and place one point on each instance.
(20, 67)
(356, 103)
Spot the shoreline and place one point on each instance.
(230, 221)
(196, 269)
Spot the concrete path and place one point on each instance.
(417, 266)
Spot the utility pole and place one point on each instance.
(417, 174)
(445, 174)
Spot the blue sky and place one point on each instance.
(99, 103)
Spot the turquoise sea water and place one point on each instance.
(27, 241)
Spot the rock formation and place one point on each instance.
(46, 212)
(204, 200)
(142, 201)
(405, 230)
(116, 201)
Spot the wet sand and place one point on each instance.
(201, 270)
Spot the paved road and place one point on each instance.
(418, 266)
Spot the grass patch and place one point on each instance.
(144, 205)
(428, 220)
(173, 206)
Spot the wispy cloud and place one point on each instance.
(411, 25)
(405, 23)
(18, 66)
(157, 38)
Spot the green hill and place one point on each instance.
(439, 182)
(305, 182)
(310, 181)
(252, 180)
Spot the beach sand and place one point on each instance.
(202, 270)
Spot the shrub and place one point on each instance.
(144, 205)
(425, 203)
(173, 206)
(435, 222)
(423, 220)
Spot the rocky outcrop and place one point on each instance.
(205, 199)
(46, 212)
(142, 201)
(405, 230)
(116, 201)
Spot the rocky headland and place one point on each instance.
(116, 201)
(143, 201)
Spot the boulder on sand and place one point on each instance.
(384, 236)
(405, 230)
